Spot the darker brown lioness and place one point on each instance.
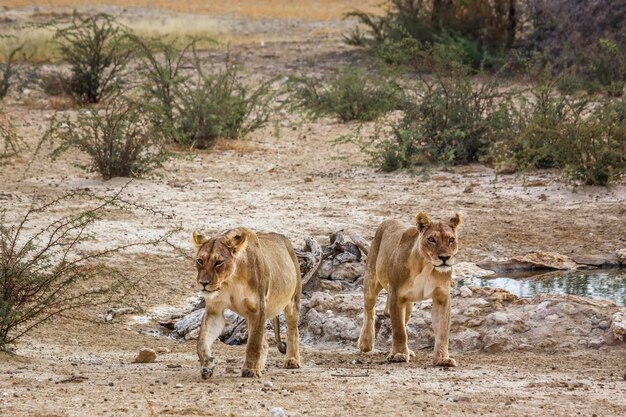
(412, 264)
(257, 276)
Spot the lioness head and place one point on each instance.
(438, 240)
(216, 258)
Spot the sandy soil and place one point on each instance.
(299, 182)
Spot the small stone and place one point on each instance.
(111, 384)
(465, 292)
(163, 350)
(146, 356)
(178, 386)
(268, 384)
(277, 412)
(308, 179)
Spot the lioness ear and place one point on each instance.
(198, 239)
(236, 240)
(422, 221)
(455, 221)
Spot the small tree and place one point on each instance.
(117, 138)
(98, 51)
(47, 271)
(9, 69)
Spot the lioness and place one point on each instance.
(256, 275)
(413, 264)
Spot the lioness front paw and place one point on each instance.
(444, 362)
(206, 373)
(397, 357)
(250, 373)
(411, 354)
(292, 363)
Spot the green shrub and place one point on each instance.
(192, 108)
(45, 271)
(351, 94)
(116, 137)
(9, 69)
(483, 30)
(454, 120)
(98, 51)
(10, 142)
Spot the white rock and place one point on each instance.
(618, 325)
(497, 318)
(268, 384)
(465, 292)
(277, 412)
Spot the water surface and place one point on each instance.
(607, 284)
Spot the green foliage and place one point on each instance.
(45, 271)
(483, 31)
(10, 142)
(350, 94)
(9, 69)
(454, 120)
(193, 108)
(98, 51)
(116, 137)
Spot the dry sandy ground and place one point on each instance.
(300, 183)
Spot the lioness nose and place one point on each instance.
(444, 258)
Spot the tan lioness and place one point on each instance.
(257, 276)
(413, 264)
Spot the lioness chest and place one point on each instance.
(419, 287)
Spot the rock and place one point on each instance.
(321, 301)
(621, 256)
(348, 271)
(618, 325)
(277, 412)
(495, 342)
(498, 318)
(268, 384)
(340, 329)
(146, 355)
(334, 286)
(162, 349)
(535, 260)
(189, 323)
(178, 386)
(607, 261)
(193, 335)
(469, 270)
(465, 292)
(466, 340)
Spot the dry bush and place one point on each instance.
(45, 271)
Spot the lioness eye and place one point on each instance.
(218, 264)
(451, 240)
(431, 239)
(200, 262)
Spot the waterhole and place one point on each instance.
(608, 284)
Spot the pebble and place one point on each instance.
(178, 386)
(277, 412)
(146, 356)
(268, 384)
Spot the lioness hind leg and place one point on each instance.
(210, 328)
(407, 317)
(441, 326)
(293, 344)
(370, 293)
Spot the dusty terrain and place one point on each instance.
(296, 180)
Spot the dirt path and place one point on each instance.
(297, 181)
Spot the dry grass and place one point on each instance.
(280, 9)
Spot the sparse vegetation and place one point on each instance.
(193, 108)
(350, 94)
(10, 142)
(9, 69)
(98, 51)
(116, 137)
(45, 271)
